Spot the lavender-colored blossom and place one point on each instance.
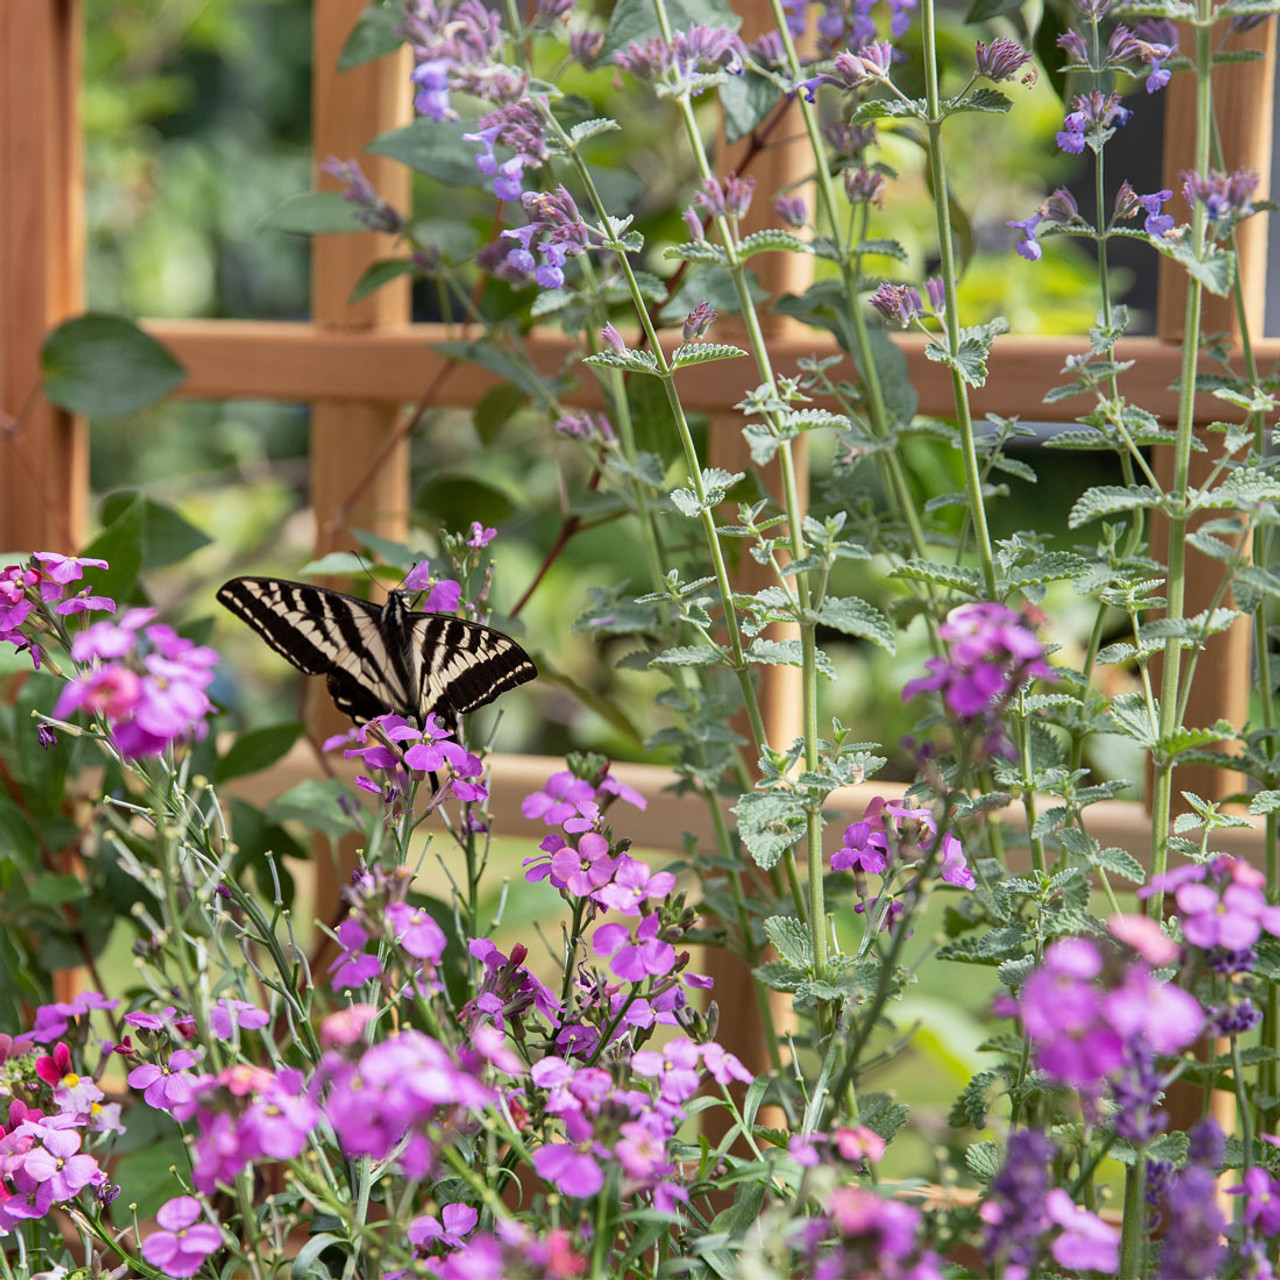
(416, 932)
(698, 321)
(936, 291)
(1193, 1248)
(582, 425)
(1002, 59)
(480, 535)
(791, 211)
(1262, 1200)
(58, 1165)
(354, 966)
(633, 884)
(431, 76)
(1014, 1211)
(1029, 246)
(730, 198)
(183, 1242)
(699, 50)
(370, 208)
(1093, 118)
(427, 1231)
(1226, 197)
(864, 186)
(1233, 921)
(1129, 203)
(897, 302)
(585, 46)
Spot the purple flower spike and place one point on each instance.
(1002, 59)
(898, 302)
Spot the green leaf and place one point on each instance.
(435, 148)
(1216, 271)
(883, 248)
(690, 655)
(769, 822)
(631, 361)
(495, 409)
(777, 975)
(984, 1160)
(697, 251)
(256, 750)
(52, 891)
(940, 574)
(1121, 862)
(498, 362)
(335, 564)
(790, 938)
(590, 128)
(313, 213)
(889, 108)
(703, 353)
(856, 617)
(120, 545)
(772, 240)
(105, 364)
(984, 99)
(307, 1265)
(376, 274)
(373, 36)
(315, 804)
(1110, 499)
(746, 100)
(985, 10)
(166, 536)
(1264, 802)
(975, 1101)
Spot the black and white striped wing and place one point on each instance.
(381, 659)
(462, 665)
(327, 633)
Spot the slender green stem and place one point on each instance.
(1178, 519)
(946, 252)
(1132, 1230)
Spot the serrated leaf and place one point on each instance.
(856, 617)
(590, 128)
(777, 975)
(698, 251)
(770, 823)
(974, 1102)
(943, 575)
(791, 940)
(1121, 861)
(631, 361)
(703, 353)
(882, 248)
(690, 655)
(984, 1160)
(984, 99)
(1111, 499)
(1216, 270)
(774, 239)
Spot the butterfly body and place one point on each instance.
(381, 658)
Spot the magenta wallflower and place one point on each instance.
(634, 959)
(1086, 1243)
(1233, 920)
(991, 652)
(559, 798)
(227, 1014)
(168, 1086)
(1262, 1205)
(861, 849)
(183, 1242)
(427, 1231)
(416, 931)
(569, 1168)
(354, 966)
(59, 1167)
(634, 884)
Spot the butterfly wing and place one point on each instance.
(459, 666)
(326, 633)
(380, 659)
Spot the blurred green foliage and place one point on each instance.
(196, 117)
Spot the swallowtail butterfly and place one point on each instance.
(381, 658)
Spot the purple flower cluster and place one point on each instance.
(146, 681)
(1021, 1211)
(41, 583)
(517, 126)
(680, 64)
(370, 207)
(42, 1161)
(991, 653)
(1093, 118)
(405, 755)
(1098, 1017)
(1057, 209)
(1226, 197)
(379, 912)
(555, 230)
(863, 64)
(892, 838)
(860, 1233)
(849, 23)
(458, 48)
(511, 1250)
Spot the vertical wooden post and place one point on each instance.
(777, 166)
(349, 108)
(44, 469)
(1243, 94)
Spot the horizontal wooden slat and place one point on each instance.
(298, 361)
(1114, 822)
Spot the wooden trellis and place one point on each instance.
(358, 365)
